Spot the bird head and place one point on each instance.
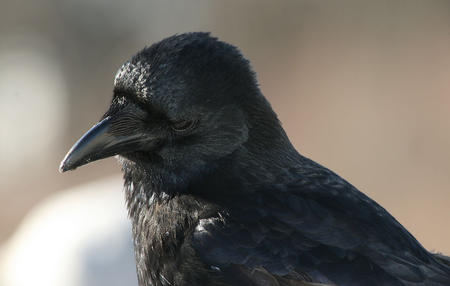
(179, 106)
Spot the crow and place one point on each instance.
(217, 194)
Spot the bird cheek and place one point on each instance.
(152, 144)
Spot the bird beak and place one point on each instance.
(98, 143)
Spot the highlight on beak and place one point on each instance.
(98, 143)
(83, 151)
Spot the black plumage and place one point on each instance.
(216, 193)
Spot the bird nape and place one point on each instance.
(216, 193)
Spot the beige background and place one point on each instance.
(361, 87)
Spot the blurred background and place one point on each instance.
(362, 87)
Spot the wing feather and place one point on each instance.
(320, 226)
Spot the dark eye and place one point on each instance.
(183, 125)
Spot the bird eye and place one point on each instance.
(182, 125)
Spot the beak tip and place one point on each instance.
(90, 147)
(62, 168)
(66, 164)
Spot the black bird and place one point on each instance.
(217, 194)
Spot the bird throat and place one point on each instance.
(161, 223)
